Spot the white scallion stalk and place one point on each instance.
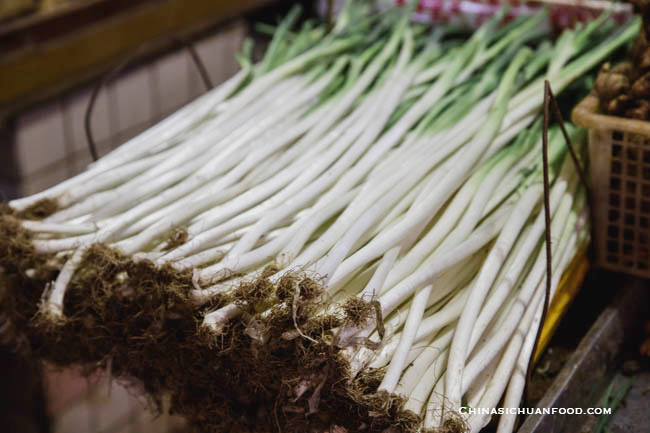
(388, 165)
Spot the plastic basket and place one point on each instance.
(619, 153)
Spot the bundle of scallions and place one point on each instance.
(345, 236)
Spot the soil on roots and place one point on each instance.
(453, 423)
(276, 362)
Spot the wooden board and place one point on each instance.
(42, 70)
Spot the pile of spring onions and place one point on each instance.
(391, 163)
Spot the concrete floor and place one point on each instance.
(634, 414)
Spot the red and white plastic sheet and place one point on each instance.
(563, 13)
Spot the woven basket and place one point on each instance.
(619, 153)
